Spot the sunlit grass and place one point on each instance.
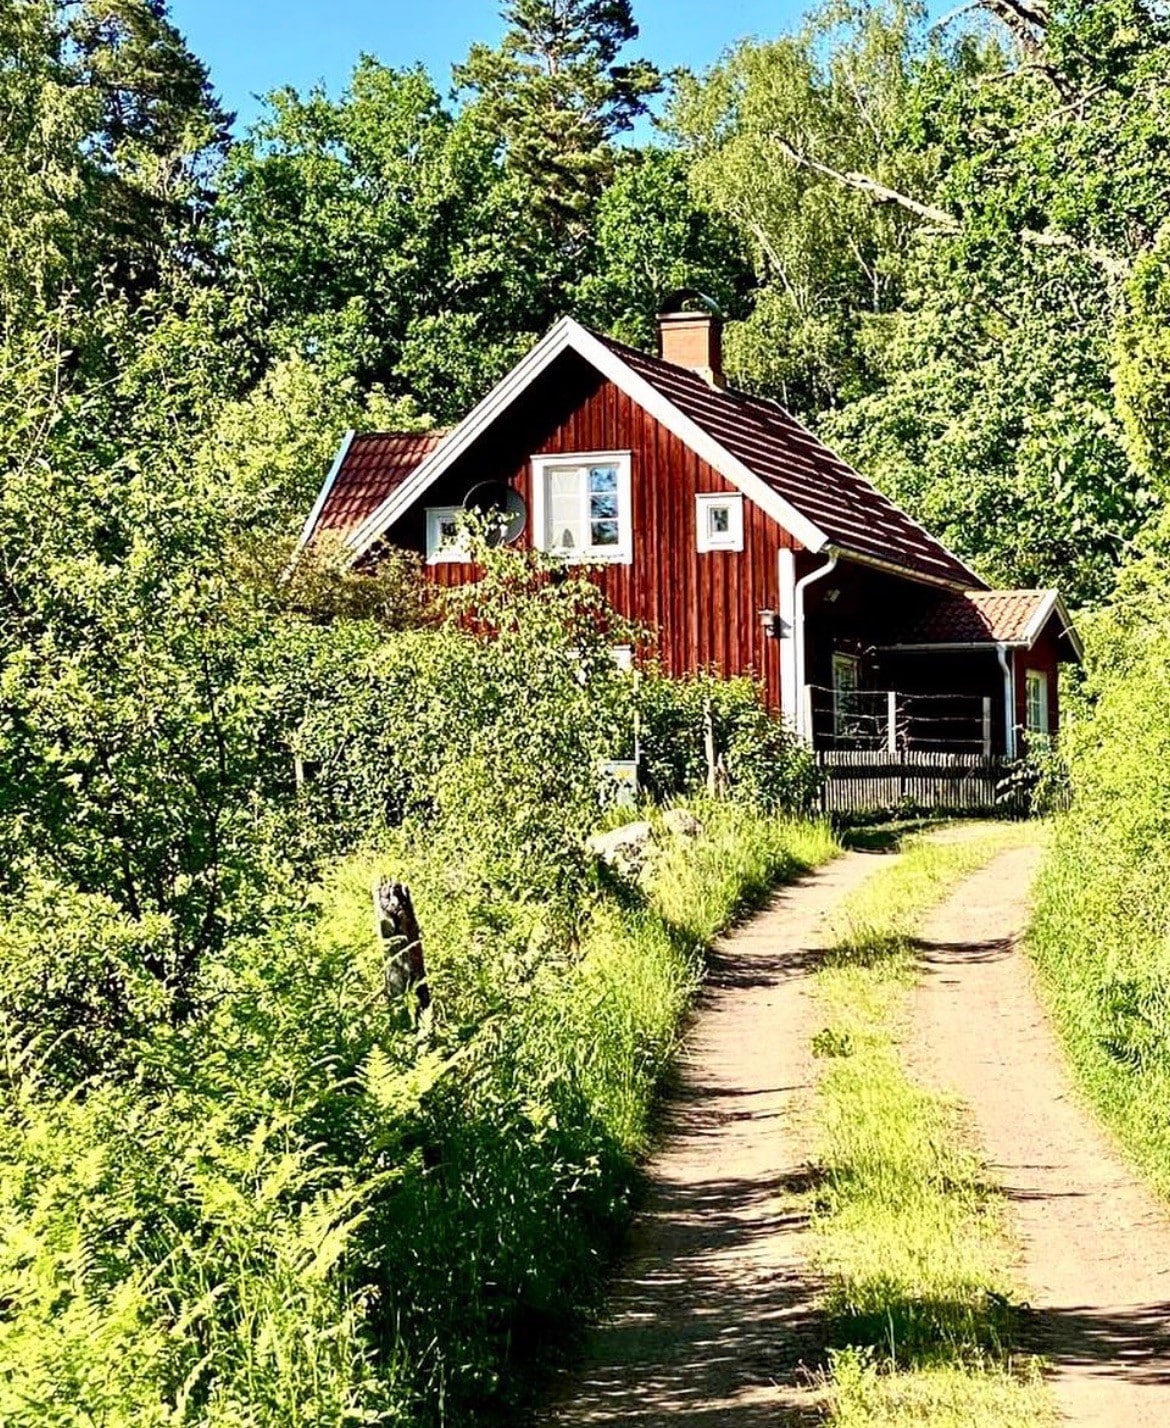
(910, 1234)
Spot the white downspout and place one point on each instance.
(1009, 701)
(798, 636)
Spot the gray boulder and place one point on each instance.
(680, 823)
(625, 849)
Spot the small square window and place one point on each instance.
(719, 523)
(445, 539)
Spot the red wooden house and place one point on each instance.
(719, 522)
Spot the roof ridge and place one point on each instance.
(437, 431)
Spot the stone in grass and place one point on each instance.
(681, 823)
(626, 849)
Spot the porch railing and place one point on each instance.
(893, 722)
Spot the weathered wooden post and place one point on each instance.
(709, 748)
(404, 968)
(891, 721)
(987, 726)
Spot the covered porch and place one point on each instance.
(894, 669)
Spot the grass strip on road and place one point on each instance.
(911, 1234)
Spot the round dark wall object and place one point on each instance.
(492, 499)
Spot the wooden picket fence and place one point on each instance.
(876, 781)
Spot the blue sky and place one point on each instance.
(253, 46)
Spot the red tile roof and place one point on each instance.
(976, 617)
(375, 464)
(839, 501)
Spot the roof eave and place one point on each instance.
(892, 567)
(1053, 604)
(326, 490)
(953, 646)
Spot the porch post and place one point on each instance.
(987, 726)
(891, 721)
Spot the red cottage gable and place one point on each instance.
(711, 517)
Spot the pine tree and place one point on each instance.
(110, 141)
(556, 96)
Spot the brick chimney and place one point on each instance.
(690, 334)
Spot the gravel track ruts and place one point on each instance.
(1095, 1244)
(711, 1320)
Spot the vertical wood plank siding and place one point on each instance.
(702, 608)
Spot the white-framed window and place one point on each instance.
(1036, 690)
(719, 522)
(581, 506)
(445, 540)
(846, 681)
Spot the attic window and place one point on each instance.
(582, 506)
(445, 540)
(719, 522)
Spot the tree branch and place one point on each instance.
(944, 224)
(873, 190)
(1027, 23)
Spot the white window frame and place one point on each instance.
(1037, 680)
(437, 552)
(842, 660)
(620, 554)
(732, 537)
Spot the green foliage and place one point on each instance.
(757, 756)
(1099, 934)
(825, 256)
(296, 1213)
(109, 135)
(955, 234)
(554, 97)
(652, 237)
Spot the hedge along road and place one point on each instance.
(712, 1316)
(1095, 1243)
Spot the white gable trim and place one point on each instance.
(1053, 605)
(564, 335)
(319, 505)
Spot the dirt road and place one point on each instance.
(1096, 1246)
(712, 1313)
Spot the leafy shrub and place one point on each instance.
(761, 759)
(298, 1213)
(1100, 932)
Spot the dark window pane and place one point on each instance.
(605, 532)
(603, 478)
(720, 520)
(604, 507)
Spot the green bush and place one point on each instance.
(298, 1211)
(759, 758)
(1100, 932)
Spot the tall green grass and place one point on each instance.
(1101, 931)
(910, 1234)
(305, 1210)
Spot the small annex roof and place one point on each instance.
(755, 444)
(369, 467)
(986, 617)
